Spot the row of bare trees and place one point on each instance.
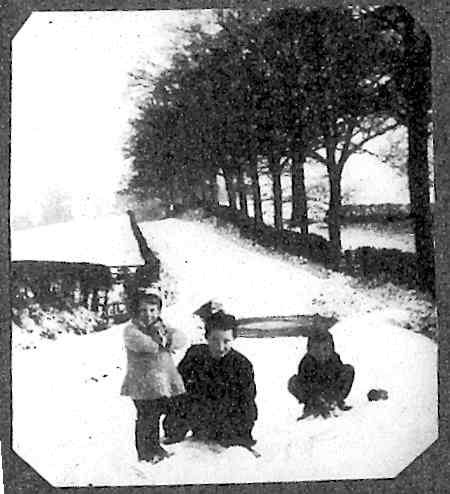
(274, 87)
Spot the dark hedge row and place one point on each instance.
(48, 281)
(367, 263)
(312, 246)
(381, 265)
(374, 213)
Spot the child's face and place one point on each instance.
(148, 313)
(220, 342)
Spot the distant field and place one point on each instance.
(364, 181)
(388, 235)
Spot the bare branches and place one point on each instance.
(318, 157)
(377, 132)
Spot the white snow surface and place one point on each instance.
(71, 424)
(108, 241)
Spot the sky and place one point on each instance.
(71, 101)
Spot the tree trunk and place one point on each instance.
(418, 95)
(420, 197)
(299, 216)
(105, 305)
(209, 186)
(213, 191)
(209, 193)
(277, 193)
(242, 191)
(256, 191)
(203, 186)
(94, 301)
(86, 296)
(229, 185)
(189, 192)
(334, 209)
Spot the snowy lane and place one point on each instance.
(249, 283)
(76, 430)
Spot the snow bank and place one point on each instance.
(73, 427)
(85, 432)
(107, 241)
(30, 330)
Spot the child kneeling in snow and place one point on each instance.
(219, 404)
(151, 377)
(323, 381)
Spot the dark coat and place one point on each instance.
(315, 378)
(224, 388)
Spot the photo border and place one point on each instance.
(427, 473)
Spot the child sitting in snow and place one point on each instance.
(151, 377)
(323, 381)
(219, 404)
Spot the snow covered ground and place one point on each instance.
(73, 427)
(387, 236)
(107, 242)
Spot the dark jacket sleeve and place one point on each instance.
(242, 394)
(190, 368)
(336, 366)
(245, 388)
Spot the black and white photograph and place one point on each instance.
(222, 245)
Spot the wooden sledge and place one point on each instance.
(275, 326)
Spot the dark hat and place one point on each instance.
(206, 310)
(220, 321)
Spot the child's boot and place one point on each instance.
(308, 410)
(343, 406)
(141, 440)
(155, 452)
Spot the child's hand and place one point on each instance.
(168, 345)
(160, 334)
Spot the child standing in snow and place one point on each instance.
(323, 381)
(151, 377)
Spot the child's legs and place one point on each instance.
(147, 426)
(345, 382)
(187, 412)
(176, 422)
(203, 418)
(236, 428)
(296, 389)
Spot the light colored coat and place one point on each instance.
(151, 371)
